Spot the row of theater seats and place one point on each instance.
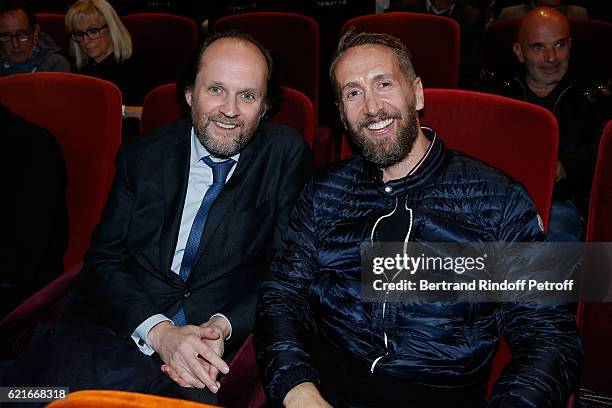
(84, 114)
(163, 41)
(160, 41)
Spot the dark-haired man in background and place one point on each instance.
(23, 47)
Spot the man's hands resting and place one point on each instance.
(192, 354)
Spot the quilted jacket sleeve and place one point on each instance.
(543, 338)
(284, 316)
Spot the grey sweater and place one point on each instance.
(45, 58)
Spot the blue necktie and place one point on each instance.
(220, 172)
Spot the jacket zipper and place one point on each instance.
(384, 306)
(414, 169)
(556, 101)
(559, 98)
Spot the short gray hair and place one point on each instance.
(352, 39)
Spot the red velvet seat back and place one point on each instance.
(84, 114)
(296, 110)
(433, 43)
(293, 41)
(162, 43)
(590, 51)
(596, 318)
(53, 25)
(599, 228)
(161, 108)
(518, 138)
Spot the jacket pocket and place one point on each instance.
(251, 214)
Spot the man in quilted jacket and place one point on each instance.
(319, 343)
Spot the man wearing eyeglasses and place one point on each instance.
(23, 47)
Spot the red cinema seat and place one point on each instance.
(433, 43)
(599, 228)
(518, 138)
(84, 114)
(161, 108)
(293, 41)
(243, 387)
(596, 318)
(162, 43)
(53, 25)
(296, 110)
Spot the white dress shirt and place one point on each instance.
(200, 180)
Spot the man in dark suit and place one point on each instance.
(195, 213)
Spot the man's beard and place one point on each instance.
(390, 149)
(221, 146)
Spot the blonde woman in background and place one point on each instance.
(102, 48)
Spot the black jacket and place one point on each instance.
(316, 282)
(127, 275)
(581, 113)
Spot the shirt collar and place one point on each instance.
(198, 151)
(432, 9)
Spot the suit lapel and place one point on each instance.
(175, 171)
(228, 195)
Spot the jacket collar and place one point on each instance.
(429, 165)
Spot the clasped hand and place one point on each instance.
(192, 354)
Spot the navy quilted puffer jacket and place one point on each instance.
(316, 281)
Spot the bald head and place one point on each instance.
(542, 18)
(543, 46)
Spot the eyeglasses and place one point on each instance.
(21, 36)
(92, 33)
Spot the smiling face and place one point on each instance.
(378, 103)
(544, 48)
(16, 22)
(96, 49)
(228, 98)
